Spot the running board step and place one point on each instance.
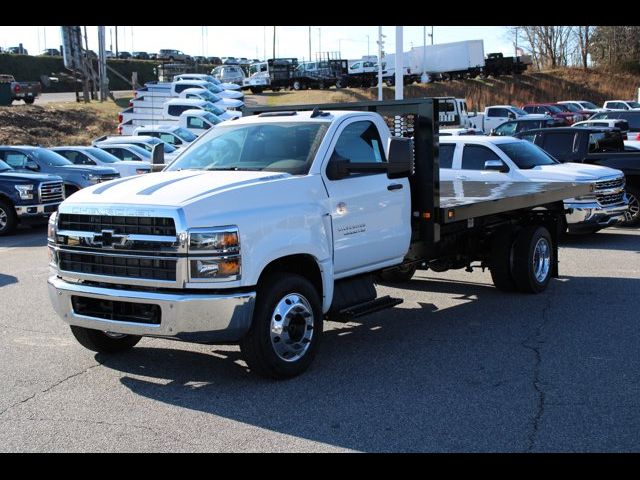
(366, 308)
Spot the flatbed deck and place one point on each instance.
(464, 199)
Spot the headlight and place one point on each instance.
(90, 177)
(25, 191)
(216, 268)
(218, 254)
(51, 227)
(221, 241)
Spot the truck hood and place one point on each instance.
(175, 189)
(92, 170)
(574, 172)
(21, 177)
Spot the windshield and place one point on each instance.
(554, 109)
(562, 107)
(210, 107)
(634, 104)
(526, 155)
(214, 88)
(211, 118)
(103, 156)
(519, 111)
(278, 147)
(632, 118)
(4, 167)
(50, 158)
(212, 98)
(588, 105)
(571, 107)
(148, 145)
(206, 95)
(139, 150)
(185, 134)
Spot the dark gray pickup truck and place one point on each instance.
(598, 146)
(26, 91)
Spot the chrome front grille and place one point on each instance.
(121, 225)
(51, 192)
(610, 199)
(610, 184)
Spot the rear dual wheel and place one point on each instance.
(522, 262)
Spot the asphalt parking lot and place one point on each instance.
(458, 366)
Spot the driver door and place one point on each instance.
(370, 213)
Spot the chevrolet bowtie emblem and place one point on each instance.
(108, 239)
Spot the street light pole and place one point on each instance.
(380, 43)
(423, 79)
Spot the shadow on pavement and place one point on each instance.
(605, 240)
(26, 236)
(458, 377)
(7, 280)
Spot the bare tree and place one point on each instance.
(547, 45)
(583, 35)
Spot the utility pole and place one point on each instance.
(44, 32)
(423, 78)
(431, 34)
(380, 43)
(116, 42)
(111, 39)
(274, 42)
(319, 40)
(102, 66)
(399, 65)
(309, 42)
(264, 43)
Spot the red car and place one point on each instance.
(569, 118)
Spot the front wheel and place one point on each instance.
(8, 219)
(632, 216)
(297, 85)
(286, 328)
(103, 342)
(29, 100)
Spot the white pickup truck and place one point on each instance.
(497, 115)
(171, 113)
(269, 224)
(506, 159)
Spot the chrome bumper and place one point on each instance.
(192, 317)
(585, 215)
(44, 209)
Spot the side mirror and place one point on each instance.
(31, 165)
(401, 163)
(493, 132)
(511, 115)
(496, 166)
(157, 157)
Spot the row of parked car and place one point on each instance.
(35, 180)
(603, 148)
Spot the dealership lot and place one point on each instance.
(459, 366)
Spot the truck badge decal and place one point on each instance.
(108, 239)
(352, 229)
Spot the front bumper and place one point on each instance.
(586, 216)
(36, 211)
(191, 317)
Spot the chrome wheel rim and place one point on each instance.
(291, 327)
(541, 259)
(4, 219)
(634, 208)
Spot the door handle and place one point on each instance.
(394, 186)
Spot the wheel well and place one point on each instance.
(304, 265)
(6, 199)
(634, 181)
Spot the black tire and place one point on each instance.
(257, 345)
(8, 218)
(632, 217)
(29, 100)
(297, 85)
(400, 274)
(101, 342)
(69, 190)
(256, 90)
(524, 259)
(501, 259)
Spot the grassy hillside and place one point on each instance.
(550, 86)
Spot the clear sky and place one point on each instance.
(254, 41)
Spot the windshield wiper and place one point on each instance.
(234, 169)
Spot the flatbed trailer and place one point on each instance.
(464, 224)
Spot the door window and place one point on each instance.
(474, 156)
(446, 155)
(506, 129)
(498, 112)
(195, 122)
(559, 145)
(359, 142)
(16, 159)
